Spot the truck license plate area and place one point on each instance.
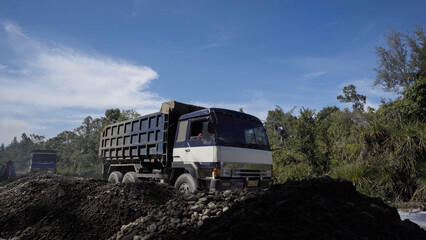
(252, 183)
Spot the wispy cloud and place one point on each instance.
(212, 45)
(50, 77)
(64, 77)
(312, 75)
(10, 127)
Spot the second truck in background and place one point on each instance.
(189, 147)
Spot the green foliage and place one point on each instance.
(382, 152)
(358, 173)
(293, 171)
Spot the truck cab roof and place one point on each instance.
(207, 111)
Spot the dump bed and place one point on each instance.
(43, 160)
(144, 139)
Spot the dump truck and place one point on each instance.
(190, 147)
(43, 161)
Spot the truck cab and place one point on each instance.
(221, 149)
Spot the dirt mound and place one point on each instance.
(321, 208)
(50, 206)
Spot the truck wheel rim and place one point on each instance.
(184, 188)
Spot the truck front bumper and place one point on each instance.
(229, 184)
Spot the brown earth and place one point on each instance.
(50, 206)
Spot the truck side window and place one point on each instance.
(200, 131)
(196, 130)
(183, 126)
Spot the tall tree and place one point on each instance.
(128, 114)
(351, 96)
(403, 61)
(111, 115)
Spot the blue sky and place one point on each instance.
(61, 61)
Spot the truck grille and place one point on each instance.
(244, 173)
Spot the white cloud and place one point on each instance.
(50, 77)
(312, 75)
(212, 45)
(64, 77)
(11, 128)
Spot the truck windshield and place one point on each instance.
(238, 132)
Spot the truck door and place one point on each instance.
(181, 147)
(200, 141)
(194, 141)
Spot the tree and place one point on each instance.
(280, 124)
(111, 115)
(403, 62)
(37, 139)
(351, 96)
(305, 130)
(128, 114)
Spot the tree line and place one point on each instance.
(77, 150)
(381, 151)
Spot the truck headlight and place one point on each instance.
(268, 173)
(226, 172)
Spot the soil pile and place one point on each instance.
(322, 208)
(50, 206)
(183, 214)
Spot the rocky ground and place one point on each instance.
(46, 206)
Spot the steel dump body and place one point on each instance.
(142, 138)
(147, 138)
(43, 160)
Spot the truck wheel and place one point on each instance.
(186, 184)
(130, 177)
(115, 177)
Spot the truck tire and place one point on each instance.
(186, 184)
(130, 177)
(115, 177)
